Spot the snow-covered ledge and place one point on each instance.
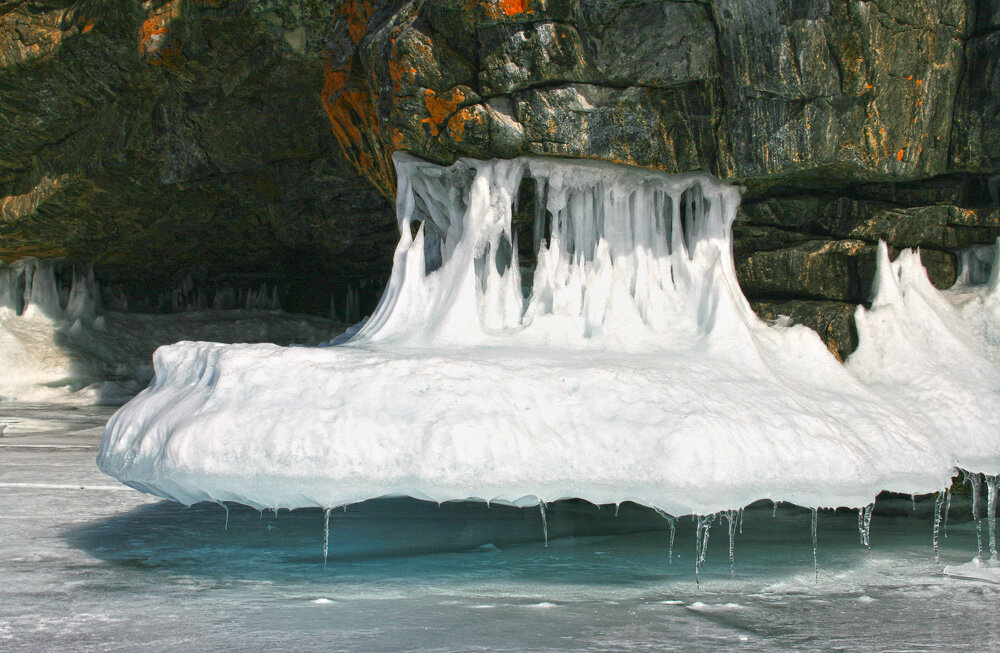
(632, 369)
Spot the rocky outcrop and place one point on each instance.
(258, 136)
(764, 92)
(160, 137)
(847, 121)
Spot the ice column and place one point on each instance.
(30, 288)
(618, 250)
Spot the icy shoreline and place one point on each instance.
(634, 370)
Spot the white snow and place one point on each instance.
(635, 369)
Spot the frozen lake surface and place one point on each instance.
(87, 564)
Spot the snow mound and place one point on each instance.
(629, 367)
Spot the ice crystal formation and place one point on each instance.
(627, 365)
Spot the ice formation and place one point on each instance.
(629, 367)
(58, 344)
(32, 305)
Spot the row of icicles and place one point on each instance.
(734, 524)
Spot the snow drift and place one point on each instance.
(629, 367)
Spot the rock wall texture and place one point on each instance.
(848, 121)
(257, 134)
(167, 136)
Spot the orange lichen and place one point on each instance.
(151, 33)
(398, 73)
(155, 40)
(513, 7)
(354, 122)
(499, 8)
(899, 155)
(461, 118)
(440, 107)
(357, 15)
(88, 26)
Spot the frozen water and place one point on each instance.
(938, 504)
(88, 565)
(633, 369)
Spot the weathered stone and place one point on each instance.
(668, 129)
(817, 269)
(649, 43)
(954, 189)
(485, 130)
(987, 15)
(976, 141)
(937, 226)
(519, 56)
(178, 135)
(839, 270)
(857, 90)
(833, 321)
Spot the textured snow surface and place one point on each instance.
(634, 370)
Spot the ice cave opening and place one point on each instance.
(624, 365)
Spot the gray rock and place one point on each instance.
(976, 140)
(833, 321)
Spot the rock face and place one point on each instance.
(847, 121)
(162, 137)
(258, 135)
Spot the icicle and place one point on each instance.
(223, 505)
(947, 509)
(617, 506)
(865, 525)
(673, 530)
(913, 502)
(545, 523)
(815, 519)
(731, 517)
(774, 509)
(326, 535)
(991, 513)
(938, 504)
(974, 482)
(741, 521)
(704, 524)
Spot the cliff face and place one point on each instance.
(169, 136)
(848, 122)
(234, 133)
